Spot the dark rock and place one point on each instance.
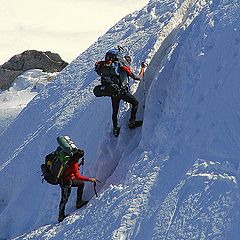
(7, 77)
(30, 59)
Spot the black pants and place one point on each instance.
(66, 191)
(127, 97)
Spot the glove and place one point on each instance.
(93, 180)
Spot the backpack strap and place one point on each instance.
(60, 172)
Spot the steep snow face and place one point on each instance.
(176, 177)
(69, 107)
(197, 95)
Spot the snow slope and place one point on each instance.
(174, 178)
(22, 91)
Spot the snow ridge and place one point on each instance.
(174, 178)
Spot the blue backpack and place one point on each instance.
(109, 68)
(109, 71)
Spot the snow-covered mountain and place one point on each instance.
(174, 178)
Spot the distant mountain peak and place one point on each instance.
(29, 59)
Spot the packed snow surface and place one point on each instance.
(177, 176)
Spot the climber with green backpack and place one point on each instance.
(61, 167)
(115, 72)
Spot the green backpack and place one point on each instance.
(56, 161)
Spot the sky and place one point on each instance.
(66, 27)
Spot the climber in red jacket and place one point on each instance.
(72, 178)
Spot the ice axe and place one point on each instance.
(94, 186)
(143, 65)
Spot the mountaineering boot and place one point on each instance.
(80, 204)
(61, 217)
(116, 131)
(134, 124)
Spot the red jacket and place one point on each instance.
(71, 172)
(129, 72)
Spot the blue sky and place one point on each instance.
(66, 27)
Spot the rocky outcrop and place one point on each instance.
(31, 59)
(7, 77)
